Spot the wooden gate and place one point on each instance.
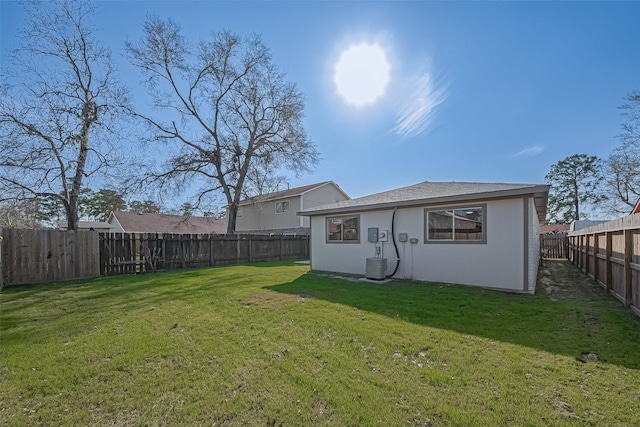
(554, 245)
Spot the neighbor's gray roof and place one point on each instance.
(436, 192)
(86, 225)
(133, 222)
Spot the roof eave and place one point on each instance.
(336, 186)
(540, 193)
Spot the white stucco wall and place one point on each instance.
(534, 246)
(500, 263)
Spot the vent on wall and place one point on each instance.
(376, 268)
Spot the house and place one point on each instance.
(99, 226)
(134, 222)
(276, 212)
(636, 208)
(479, 234)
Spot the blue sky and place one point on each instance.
(498, 92)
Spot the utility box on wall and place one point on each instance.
(372, 235)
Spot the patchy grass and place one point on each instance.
(267, 344)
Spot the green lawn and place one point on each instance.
(270, 344)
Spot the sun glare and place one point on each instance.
(362, 73)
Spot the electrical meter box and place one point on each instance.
(403, 237)
(372, 235)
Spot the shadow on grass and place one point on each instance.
(569, 327)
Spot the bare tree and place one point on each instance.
(232, 113)
(622, 167)
(22, 214)
(59, 107)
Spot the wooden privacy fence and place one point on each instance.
(31, 256)
(127, 253)
(610, 254)
(554, 245)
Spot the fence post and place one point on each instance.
(583, 251)
(586, 254)
(596, 266)
(608, 262)
(628, 271)
(1, 274)
(210, 250)
(237, 237)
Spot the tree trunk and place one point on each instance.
(71, 209)
(577, 200)
(231, 218)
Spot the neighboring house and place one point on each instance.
(99, 226)
(636, 208)
(554, 228)
(276, 212)
(480, 234)
(133, 222)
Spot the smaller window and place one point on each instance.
(282, 207)
(343, 229)
(239, 213)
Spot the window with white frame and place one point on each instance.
(282, 207)
(456, 225)
(345, 229)
(239, 213)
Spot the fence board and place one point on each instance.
(609, 252)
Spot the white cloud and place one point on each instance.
(529, 151)
(416, 113)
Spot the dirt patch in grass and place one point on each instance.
(561, 280)
(273, 298)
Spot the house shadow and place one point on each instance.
(564, 327)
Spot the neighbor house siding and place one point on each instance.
(498, 263)
(262, 215)
(116, 227)
(318, 197)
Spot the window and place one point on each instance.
(343, 229)
(282, 207)
(460, 225)
(239, 213)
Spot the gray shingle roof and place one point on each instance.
(133, 222)
(435, 192)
